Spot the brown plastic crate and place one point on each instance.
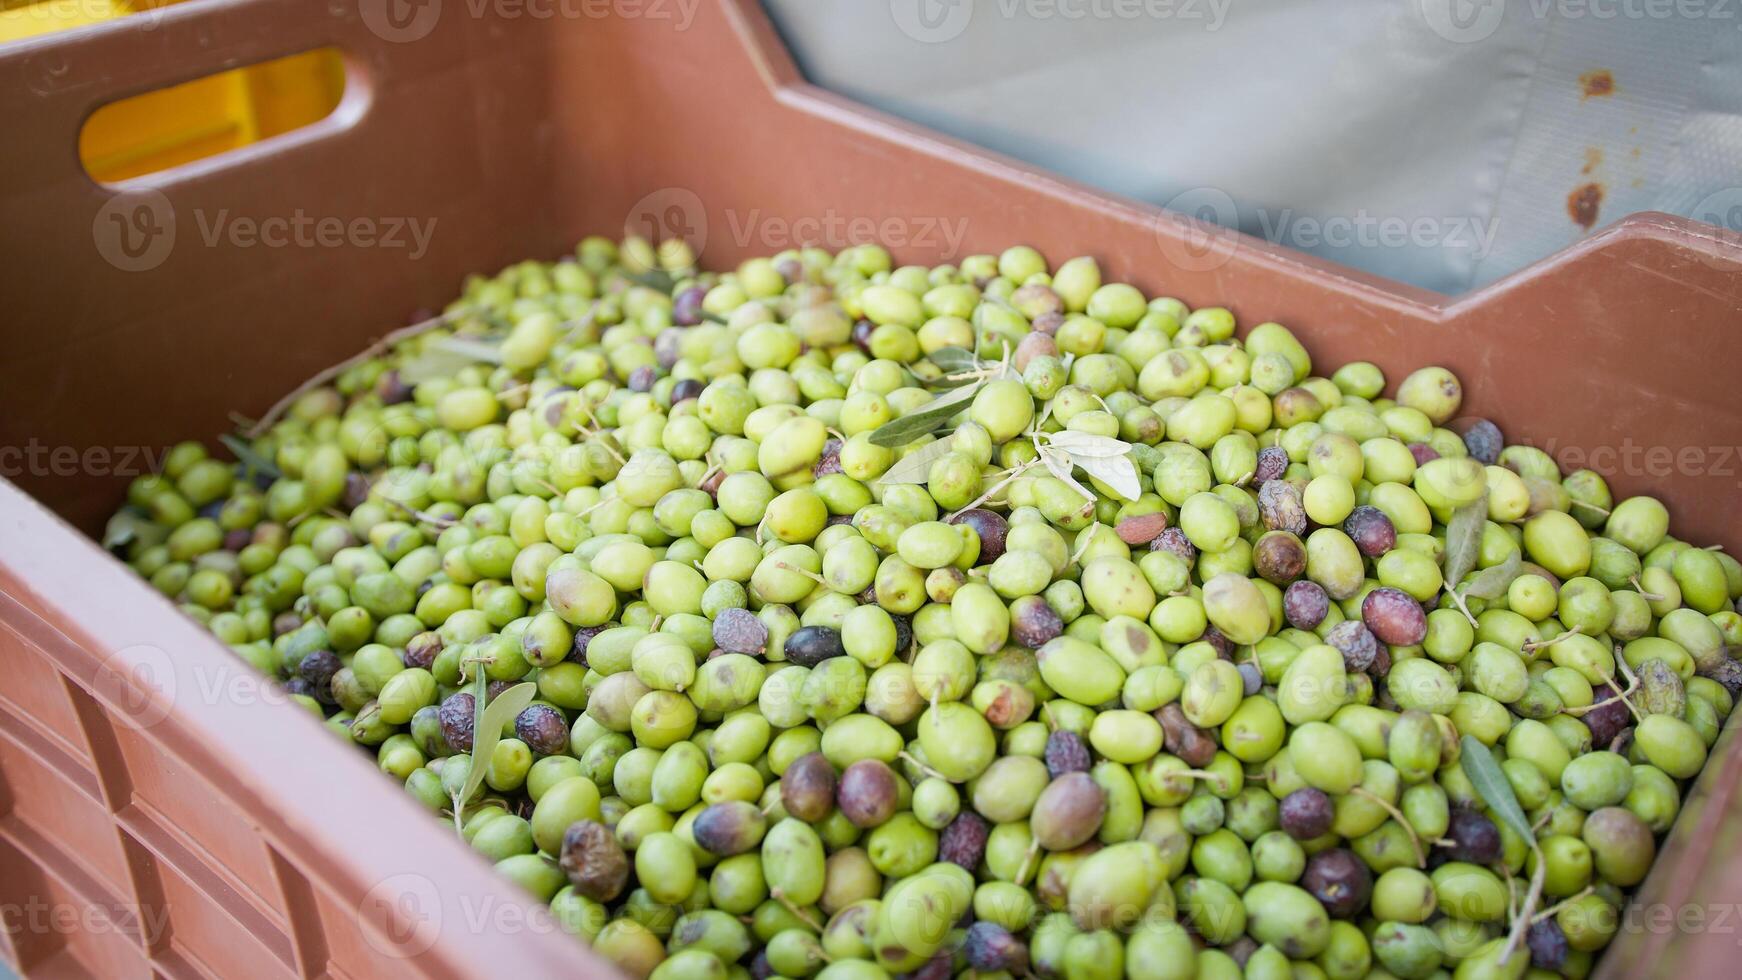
(162, 815)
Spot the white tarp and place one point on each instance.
(1441, 142)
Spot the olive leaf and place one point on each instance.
(432, 363)
(1492, 583)
(915, 467)
(1058, 462)
(251, 460)
(1117, 472)
(128, 526)
(656, 279)
(924, 419)
(1087, 445)
(1464, 539)
(476, 350)
(953, 360)
(1492, 785)
(487, 727)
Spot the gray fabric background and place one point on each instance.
(1432, 141)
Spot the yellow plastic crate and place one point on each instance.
(171, 126)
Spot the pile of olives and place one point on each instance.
(862, 621)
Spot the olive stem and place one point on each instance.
(1536, 645)
(1458, 600)
(1028, 858)
(807, 573)
(1087, 537)
(977, 501)
(602, 501)
(911, 760)
(1563, 903)
(1623, 695)
(797, 912)
(1396, 814)
(320, 378)
(1522, 922)
(1648, 596)
(421, 515)
(594, 436)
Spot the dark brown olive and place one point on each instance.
(1280, 507)
(1279, 557)
(1306, 813)
(1355, 642)
(1305, 605)
(543, 729)
(811, 645)
(807, 787)
(1033, 622)
(1272, 464)
(1174, 541)
(739, 631)
(1066, 752)
(1339, 880)
(867, 793)
(422, 650)
(686, 306)
(1474, 837)
(1183, 738)
(730, 827)
(685, 390)
(457, 719)
(990, 527)
(1483, 439)
(1371, 530)
(990, 946)
(1394, 617)
(318, 668)
(1068, 812)
(963, 842)
(593, 860)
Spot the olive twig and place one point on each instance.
(797, 913)
(1552, 910)
(1458, 600)
(1623, 695)
(1027, 858)
(1522, 922)
(322, 377)
(1647, 596)
(1535, 645)
(1011, 475)
(913, 761)
(1396, 814)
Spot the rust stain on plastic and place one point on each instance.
(1596, 83)
(1593, 159)
(1583, 204)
